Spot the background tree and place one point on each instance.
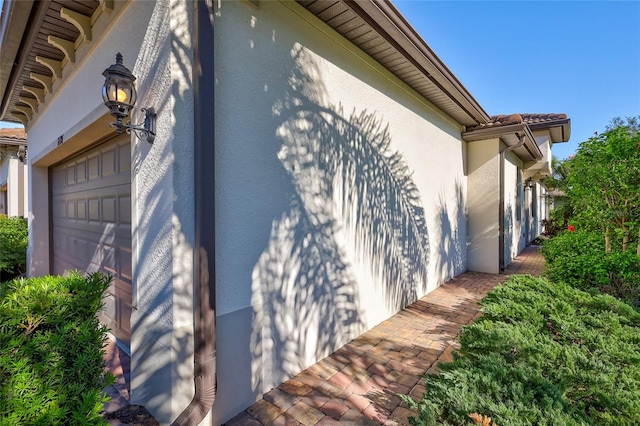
(558, 185)
(604, 182)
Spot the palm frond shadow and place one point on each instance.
(369, 188)
(354, 202)
(450, 247)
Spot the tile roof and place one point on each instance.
(542, 118)
(505, 120)
(13, 133)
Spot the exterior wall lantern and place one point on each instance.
(22, 153)
(529, 183)
(119, 95)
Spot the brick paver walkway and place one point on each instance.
(118, 363)
(357, 384)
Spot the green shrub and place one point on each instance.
(543, 354)
(51, 353)
(579, 259)
(13, 245)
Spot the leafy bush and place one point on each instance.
(579, 259)
(543, 354)
(558, 218)
(51, 357)
(13, 244)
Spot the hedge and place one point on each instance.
(543, 353)
(579, 259)
(13, 245)
(51, 353)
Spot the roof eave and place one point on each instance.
(429, 77)
(12, 142)
(397, 27)
(506, 133)
(15, 17)
(560, 130)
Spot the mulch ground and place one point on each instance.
(135, 415)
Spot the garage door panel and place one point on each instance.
(111, 166)
(108, 209)
(109, 163)
(86, 243)
(81, 171)
(93, 167)
(124, 206)
(107, 205)
(78, 187)
(126, 273)
(124, 157)
(91, 210)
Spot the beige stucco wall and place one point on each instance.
(4, 173)
(516, 208)
(483, 198)
(13, 179)
(543, 206)
(306, 126)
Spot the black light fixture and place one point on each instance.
(119, 95)
(22, 153)
(529, 183)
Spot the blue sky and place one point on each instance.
(581, 58)
(576, 57)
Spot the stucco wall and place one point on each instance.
(543, 206)
(155, 41)
(483, 200)
(13, 179)
(516, 208)
(25, 190)
(4, 170)
(340, 196)
(4, 173)
(542, 210)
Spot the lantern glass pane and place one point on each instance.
(119, 90)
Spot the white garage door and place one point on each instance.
(91, 215)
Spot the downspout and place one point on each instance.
(503, 154)
(204, 292)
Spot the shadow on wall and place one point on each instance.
(450, 255)
(351, 192)
(163, 229)
(509, 229)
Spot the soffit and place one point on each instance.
(13, 20)
(510, 133)
(44, 21)
(558, 125)
(378, 28)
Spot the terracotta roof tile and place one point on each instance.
(13, 133)
(505, 120)
(542, 118)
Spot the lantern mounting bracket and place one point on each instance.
(145, 131)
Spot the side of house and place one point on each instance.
(338, 166)
(509, 157)
(340, 194)
(13, 173)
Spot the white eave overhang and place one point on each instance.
(559, 130)
(12, 142)
(510, 134)
(380, 30)
(13, 24)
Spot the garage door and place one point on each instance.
(91, 224)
